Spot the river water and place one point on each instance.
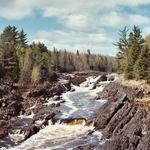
(80, 106)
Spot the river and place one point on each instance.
(80, 106)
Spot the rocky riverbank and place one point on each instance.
(25, 111)
(17, 109)
(124, 122)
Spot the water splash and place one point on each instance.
(64, 135)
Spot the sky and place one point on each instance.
(76, 24)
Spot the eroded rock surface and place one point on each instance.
(25, 111)
(124, 124)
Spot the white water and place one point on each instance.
(61, 136)
(81, 102)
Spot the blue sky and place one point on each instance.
(75, 24)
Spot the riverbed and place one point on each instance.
(80, 107)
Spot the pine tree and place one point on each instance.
(22, 39)
(129, 50)
(135, 45)
(77, 53)
(123, 46)
(9, 41)
(142, 65)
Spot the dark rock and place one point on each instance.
(30, 130)
(140, 94)
(72, 90)
(38, 93)
(88, 73)
(68, 85)
(100, 79)
(144, 143)
(105, 114)
(53, 77)
(57, 89)
(116, 119)
(44, 114)
(49, 116)
(85, 147)
(14, 108)
(3, 129)
(110, 92)
(10, 105)
(5, 89)
(122, 121)
(77, 80)
(129, 136)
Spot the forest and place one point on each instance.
(134, 54)
(23, 63)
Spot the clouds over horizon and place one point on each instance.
(85, 23)
(73, 40)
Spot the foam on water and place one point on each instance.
(26, 116)
(16, 136)
(67, 136)
(80, 99)
(69, 103)
(58, 134)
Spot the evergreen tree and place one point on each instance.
(123, 46)
(142, 65)
(135, 45)
(129, 50)
(9, 41)
(77, 53)
(22, 39)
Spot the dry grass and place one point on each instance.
(144, 102)
(142, 85)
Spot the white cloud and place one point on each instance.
(89, 16)
(117, 20)
(78, 15)
(146, 31)
(74, 37)
(76, 22)
(137, 19)
(97, 42)
(16, 9)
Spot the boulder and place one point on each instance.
(100, 79)
(3, 129)
(53, 77)
(77, 80)
(30, 130)
(10, 105)
(57, 89)
(5, 89)
(38, 92)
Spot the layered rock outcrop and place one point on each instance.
(124, 123)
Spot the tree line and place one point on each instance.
(134, 54)
(24, 63)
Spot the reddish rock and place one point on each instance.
(3, 129)
(77, 80)
(121, 121)
(53, 77)
(30, 130)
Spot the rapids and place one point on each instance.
(80, 107)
